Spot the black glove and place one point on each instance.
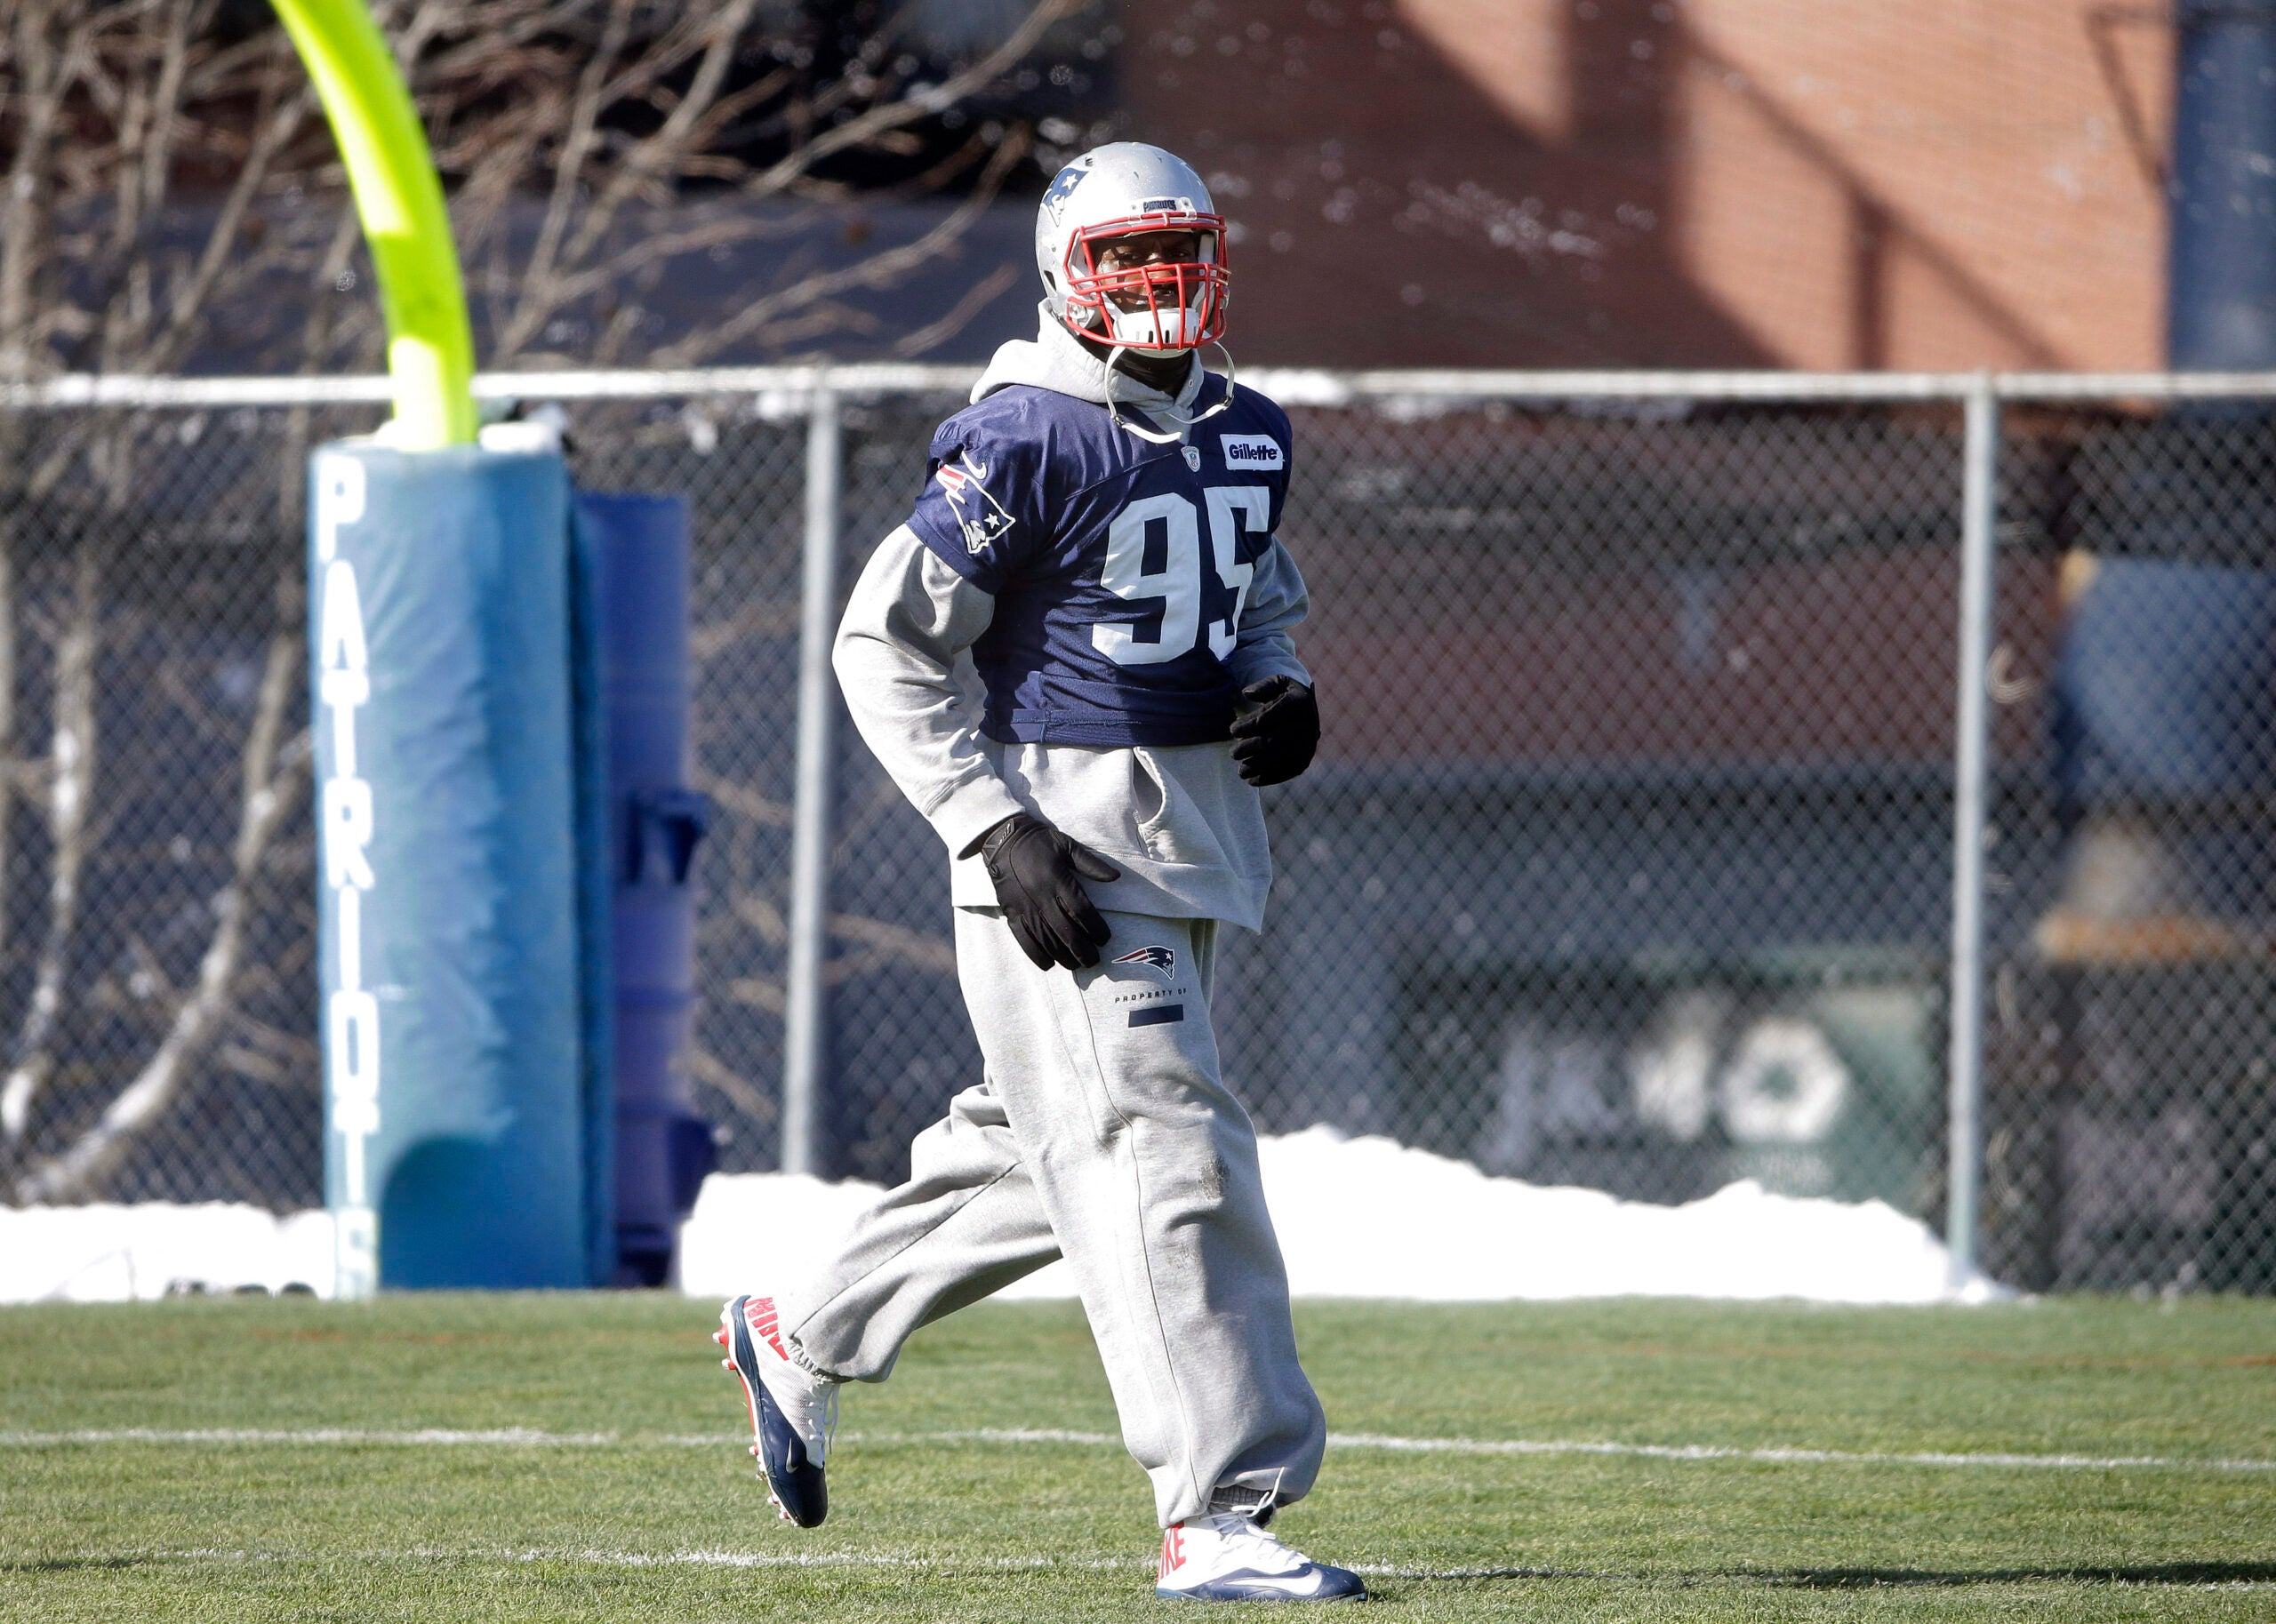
(1038, 873)
(1278, 726)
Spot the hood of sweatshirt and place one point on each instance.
(1055, 359)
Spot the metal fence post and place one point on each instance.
(1979, 520)
(804, 1053)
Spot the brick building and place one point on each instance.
(1810, 183)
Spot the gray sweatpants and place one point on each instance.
(1101, 1132)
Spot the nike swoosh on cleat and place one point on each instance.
(1248, 1584)
(791, 1478)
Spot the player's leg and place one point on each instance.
(1105, 1131)
(1146, 1167)
(966, 1223)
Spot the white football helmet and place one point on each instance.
(1118, 190)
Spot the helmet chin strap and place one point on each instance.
(1185, 425)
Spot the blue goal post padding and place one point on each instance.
(460, 1101)
(633, 550)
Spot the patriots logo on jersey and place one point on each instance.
(980, 515)
(1163, 959)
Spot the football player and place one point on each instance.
(1074, 660)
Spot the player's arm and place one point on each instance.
(1277, 729)
(909, 617)
(896, 657)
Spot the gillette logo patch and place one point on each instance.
(1252, 451)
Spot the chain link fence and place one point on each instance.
(1628, 860)
(2131, 1107)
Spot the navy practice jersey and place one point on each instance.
(1120, 567)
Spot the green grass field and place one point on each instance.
(639, 1503)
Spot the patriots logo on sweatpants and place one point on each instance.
(1163, 959)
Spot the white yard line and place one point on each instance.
(516, 1438)
(425, 1438)
(616, 1559)
(1792, 1456)
(2122, 1578)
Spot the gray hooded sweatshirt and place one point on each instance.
(1187, 834)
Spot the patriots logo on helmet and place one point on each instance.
(1163, 959)
(1063, 186)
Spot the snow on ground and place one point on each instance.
(1371, 1217)
(1357, 1217)
(112, 1253)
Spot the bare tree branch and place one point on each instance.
(584, 114)
(897, 943)
(7, 708)
(70, 799)
(221, 240)
(706, 1068)
(977, 298)
(39, 97)
(879, 270)
(744, 801)
(650, 157)
(923, 104)
(660, 153)
(274, 781)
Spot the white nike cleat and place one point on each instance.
(793, 1412)
(1224, 1556)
